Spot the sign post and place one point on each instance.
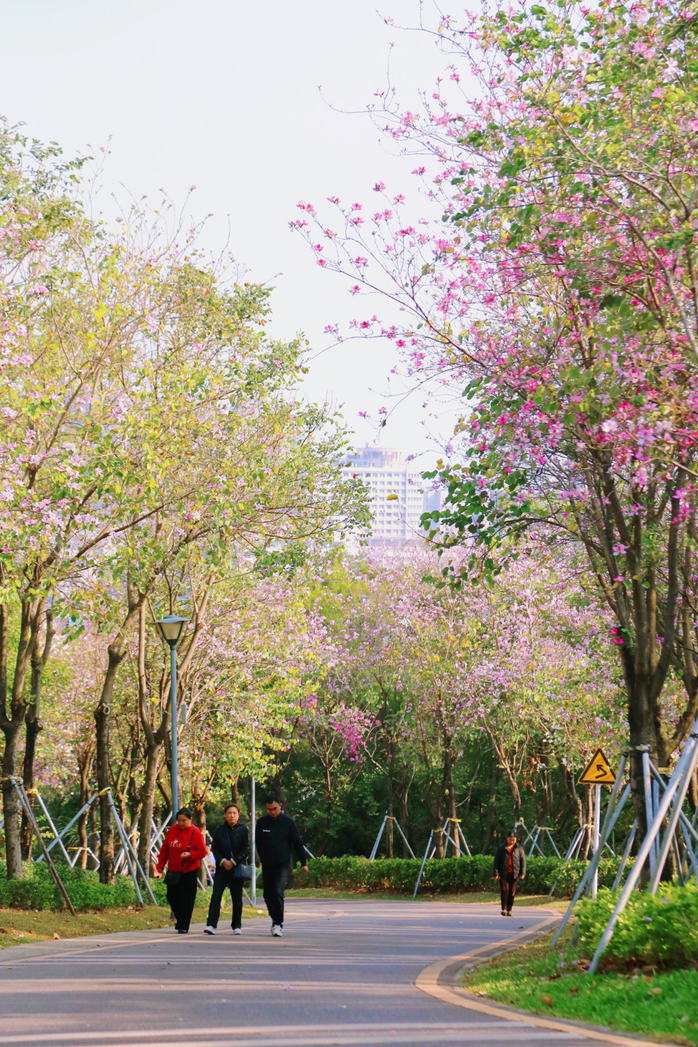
(597, 773)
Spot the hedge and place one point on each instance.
(39, 891)
(660, 929)
(448, 875)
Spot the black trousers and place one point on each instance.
(274, 878)
(507, 886)
(223, 879)
(181, 897)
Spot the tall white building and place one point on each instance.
(396, 500)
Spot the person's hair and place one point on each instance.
(512, 832)
(273, 798)
(229, 805)
(186, 811)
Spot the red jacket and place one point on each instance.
(176, 842)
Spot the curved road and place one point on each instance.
(344, 973)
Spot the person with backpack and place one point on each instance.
(182, 852)
(275, 835)
(230, 847)
(509, 869)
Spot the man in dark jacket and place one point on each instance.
(229, 845)
(276, 834)
(509, 869)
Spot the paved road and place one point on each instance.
(343, 973)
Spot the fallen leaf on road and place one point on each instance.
(547, 1000)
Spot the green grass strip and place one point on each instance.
(661, 1006)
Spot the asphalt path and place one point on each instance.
(344, 973)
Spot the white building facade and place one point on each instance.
(396, 499)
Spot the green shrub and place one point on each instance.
(660, 929)
(38, 889)
(447, 875)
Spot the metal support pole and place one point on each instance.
(612, 815)
(678, 798)
(374, 851)
(424, 862)
(649, 810)
(154, 840)
(687, 827)
(573, 846)
(19, 786)
(253, 830)
(465, 842)
(683, 768)
(624, 859)
(122, 834)
(173, 714)
(691, 853)
(552, 841)
(399, 829)
(70, 824)
(48, 818)
(597, 833)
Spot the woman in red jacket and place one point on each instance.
(182, 851)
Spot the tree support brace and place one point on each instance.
(24, 800)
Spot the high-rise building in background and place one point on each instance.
(396, 500)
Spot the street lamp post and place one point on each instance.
(170, 628)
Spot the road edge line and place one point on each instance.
(443, 983)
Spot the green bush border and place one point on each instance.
(448, 875)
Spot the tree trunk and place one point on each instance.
(452, 812)
(106, 840)
(403, 789)
(389, 832)
(568, 787)
(489, 820)
(152, 756)
(39, 658)
(85, 764)
(115, 655)
(11, 805)
(11, 725)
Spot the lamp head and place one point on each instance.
(170, 628)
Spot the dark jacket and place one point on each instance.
(230, 842)
(501, 861)
(274, 838)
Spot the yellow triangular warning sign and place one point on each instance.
(598, 771)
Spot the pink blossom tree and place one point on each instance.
(558, 296)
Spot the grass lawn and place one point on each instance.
(464, 897)
(19, 926)
(658, 1006)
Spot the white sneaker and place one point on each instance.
(237, 930)
(276, 930)
(209, 930)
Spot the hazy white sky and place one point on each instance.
(223, 94)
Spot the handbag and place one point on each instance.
(240, 870)
(172, 878)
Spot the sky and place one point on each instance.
(223, 95)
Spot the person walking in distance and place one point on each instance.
(509, 869)
(276, 834)
(230, 845)
(182, 851)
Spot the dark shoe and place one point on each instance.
(509, 912)
(183, 930)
